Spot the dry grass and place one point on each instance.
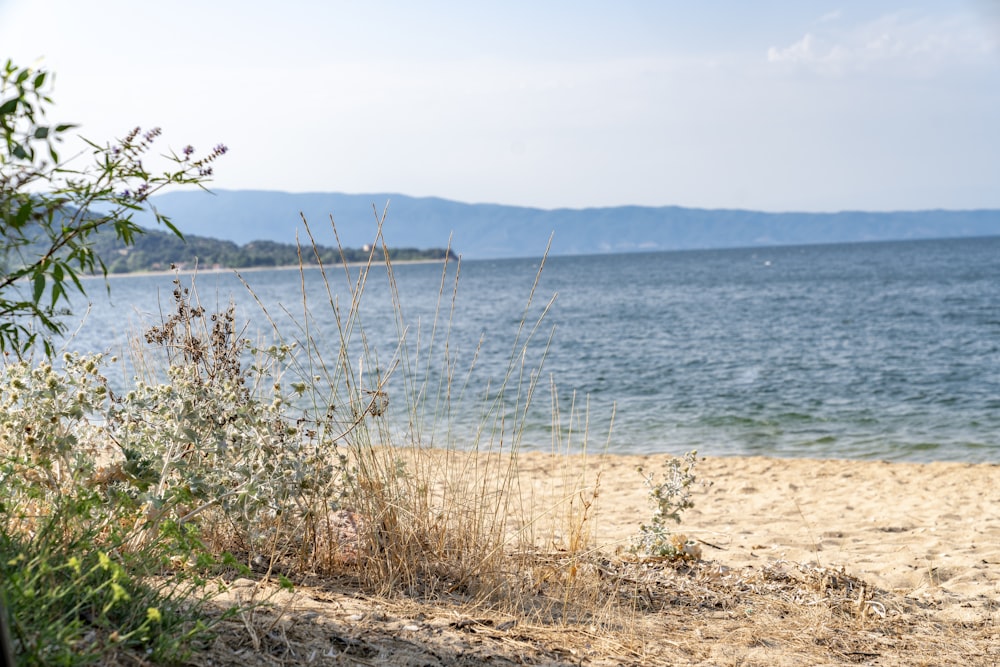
(590, 606)
(663, 613)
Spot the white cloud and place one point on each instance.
(903, 42)
(800, 51)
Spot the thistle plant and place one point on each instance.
(47, 433)
(213, 442)
(670, 496)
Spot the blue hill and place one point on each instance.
(491, 230)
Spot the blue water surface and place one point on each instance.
(877, 350)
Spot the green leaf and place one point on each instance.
(23, 214)
(9, 106)
(126, 230)
(40, 79)
(57, 291)
(169, 225)
(64, 127)
(76, 281)
(39, 286)
(19, 152)
(41, 132)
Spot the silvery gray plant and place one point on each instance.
(670, 496)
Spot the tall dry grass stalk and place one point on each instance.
(431, 510)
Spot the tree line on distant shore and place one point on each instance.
(155, 250)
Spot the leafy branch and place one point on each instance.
(50, 210)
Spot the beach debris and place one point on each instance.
(690, 549)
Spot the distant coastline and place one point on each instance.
(187, 270)
(156, 250)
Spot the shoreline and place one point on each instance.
(253, 269)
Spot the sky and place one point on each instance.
(777, 106)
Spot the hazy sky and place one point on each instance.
(797, 105)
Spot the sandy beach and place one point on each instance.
(804, 562)
(928, 531)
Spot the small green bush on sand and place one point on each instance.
(670, 496)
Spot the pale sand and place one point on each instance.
(928, 536)
(929, 532)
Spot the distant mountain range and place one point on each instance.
(480, 231)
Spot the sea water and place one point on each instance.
(876, 350)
